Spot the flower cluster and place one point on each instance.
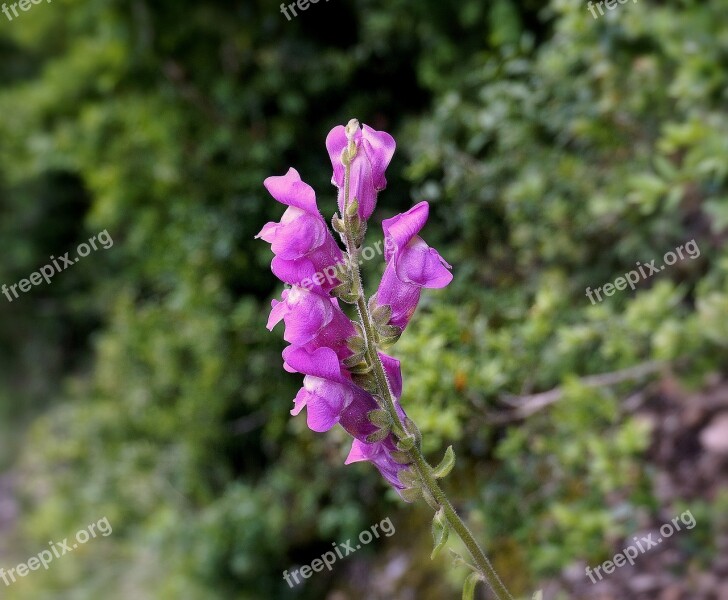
(335, 354)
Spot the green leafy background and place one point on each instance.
(555, 150)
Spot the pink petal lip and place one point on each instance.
(379, 147)
(289, 189)
(402, 228)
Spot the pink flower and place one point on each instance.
(305, 251)
(374, 152)
(312, 321)
(411, 265)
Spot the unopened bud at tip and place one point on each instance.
(351, 128)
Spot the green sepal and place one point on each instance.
(378, 436)
(406, 444)
(365, 382)
(379, 417)
(361, 368)
(411, 428)
(446, 465)
(338, 224)
(345, 293)
(356, 344)
(389, 340)
(353, 208)
(411, 494)
(381, 315)
(402, 458)
(354, 360)
(409, 478)
(387, 331)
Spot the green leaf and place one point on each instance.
(440, 532)
(448, 462)
(470, 584)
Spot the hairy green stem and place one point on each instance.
(423, 468)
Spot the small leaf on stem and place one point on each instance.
(440, 532)
(448, 462)
(470, 583)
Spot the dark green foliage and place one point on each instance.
(142, 385)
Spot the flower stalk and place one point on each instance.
(348, 380)
(430, 489)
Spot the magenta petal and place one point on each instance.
(394, 373)
(279, 311)
(308, 314)
(324, 401)
(268, 233)
(300, 401)
(402, 228)
(379, 147)
(292, 271)
(422, 266)
(335, 143)
(289, 189)
(403, 297)
(298, 233)
(322, 363)
(320, 415)
(357, 453)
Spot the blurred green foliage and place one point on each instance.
(555, 150)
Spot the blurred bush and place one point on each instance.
(556, 151)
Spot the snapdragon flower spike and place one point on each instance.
(312, 321)
(411, 265)
(374, 151)
(303, 246)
